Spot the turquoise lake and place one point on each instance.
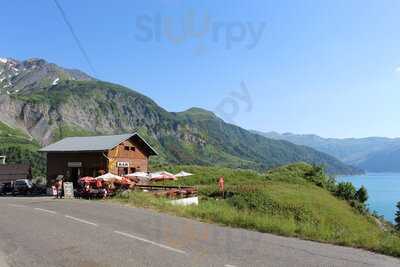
(383, 190)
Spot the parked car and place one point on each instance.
(6, 188)
(23, 186)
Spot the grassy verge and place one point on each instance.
(285, 201)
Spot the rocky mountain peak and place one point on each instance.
(3, 60)
(21, 76)
(34, 62)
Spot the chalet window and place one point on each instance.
(133, 148)
(126, 148)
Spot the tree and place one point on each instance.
(346, 190)
(397, 218)
(317, 170)
(362, 195)
(318, 176)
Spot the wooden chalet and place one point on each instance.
(75, 157)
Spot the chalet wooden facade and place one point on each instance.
(75, 157)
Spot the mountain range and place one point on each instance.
(41, 102)
(373, 154)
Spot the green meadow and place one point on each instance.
(296, 200)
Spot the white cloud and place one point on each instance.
(397, 69)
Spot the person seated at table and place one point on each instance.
(87, 187)
(99, 183)
(105, 193)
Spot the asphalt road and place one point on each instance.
(48, 232)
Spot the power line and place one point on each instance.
(77, 40)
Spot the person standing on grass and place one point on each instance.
(221, 185)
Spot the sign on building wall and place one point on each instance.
(122, 164)
(68, 190)
(74, 164)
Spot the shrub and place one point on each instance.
(318, 176)
(361, 195)
(346, 190)
(397, 218)
(359, 206)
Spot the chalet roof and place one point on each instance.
(94, 143)
(12, 172)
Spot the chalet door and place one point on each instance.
(75, 173)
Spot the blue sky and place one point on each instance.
(324, 67)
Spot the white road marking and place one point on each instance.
(229, 265)
(80, 220)
(16, 205)
(150, 242)
(48, 211)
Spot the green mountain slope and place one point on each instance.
(73, 107)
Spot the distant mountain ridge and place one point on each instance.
(41, 102)
(373, 154)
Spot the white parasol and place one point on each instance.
(138, 174)
(183, 174)
(162, 175)
(109, 176)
